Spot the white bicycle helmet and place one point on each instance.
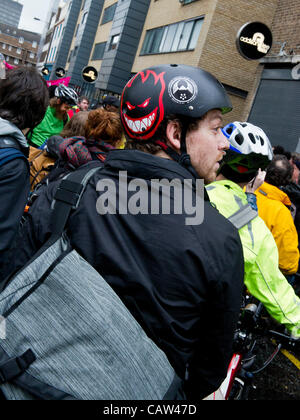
(250, 148)
(66, 94)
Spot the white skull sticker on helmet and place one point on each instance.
(182, 90)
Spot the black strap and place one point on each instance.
(68, 195)
(32, 385)
(14, 367)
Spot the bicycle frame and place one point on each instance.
(240, 377)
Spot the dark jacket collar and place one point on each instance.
(143, 165)
(146, 166)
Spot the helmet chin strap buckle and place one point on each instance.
(185, 160)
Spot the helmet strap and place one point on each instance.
(183, 158)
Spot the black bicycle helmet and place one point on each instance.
(184, 91)
(66, 94)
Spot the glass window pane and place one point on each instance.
(185, 36)
(158, 33)
(169, 38)
(163, 37)
(177, 38)
(147, 42)
(195, 34)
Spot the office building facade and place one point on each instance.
(10, 12)
(120, 38)
(19, 47)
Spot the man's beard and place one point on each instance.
(61, 115)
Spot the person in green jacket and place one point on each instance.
(56, 116)
(250, 151)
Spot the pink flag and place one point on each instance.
(8, 66)
(65, 81)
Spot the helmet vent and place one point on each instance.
(239, 139)
(229, 130)
(252, 138)
(262, 141)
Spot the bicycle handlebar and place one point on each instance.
(288, 342)
(252, 323)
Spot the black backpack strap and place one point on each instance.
(68, 195)
(14, 367)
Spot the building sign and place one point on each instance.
(254, 40)
(60, 72)
(296, 72)
(45, 71)
(89, 74)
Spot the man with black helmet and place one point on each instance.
(182, 279)
(56, 115)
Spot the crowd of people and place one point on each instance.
(182, 283)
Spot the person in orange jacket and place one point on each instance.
(273, 207)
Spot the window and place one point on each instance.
(31, 55)
(19, 50)
(114, 42)
(21, 40)
(188, 1)
(16, 61)
(70, 56)
(181, 36)
(99, 51)
(34, 44)
(84, 17)
(4, 46)
(109, 13)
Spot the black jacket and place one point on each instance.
(182, 283)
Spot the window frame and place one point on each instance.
(156, 39)
(95, 57)
(109, 13)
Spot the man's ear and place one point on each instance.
(173, 133)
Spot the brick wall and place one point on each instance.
(286, 26)
(216, 50)
(166, 12)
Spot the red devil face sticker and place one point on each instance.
(142, 107)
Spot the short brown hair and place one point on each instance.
(24, 97)
(75, 126)
(83, 98)
(279, 172)
(104, 125)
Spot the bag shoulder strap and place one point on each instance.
(7, 155)
(68, 195)
(10, 149)
(243, 216)
(9, 142)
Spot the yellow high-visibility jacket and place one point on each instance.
(262, 278)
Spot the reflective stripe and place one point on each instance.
(243, 216)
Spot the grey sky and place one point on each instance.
(31, 9)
